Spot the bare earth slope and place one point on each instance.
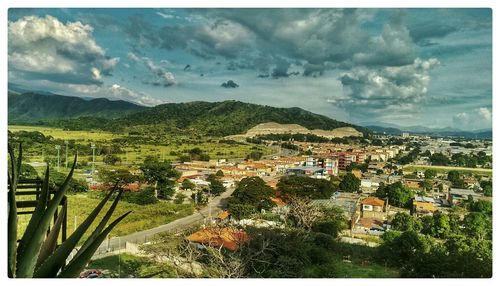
(276, 128)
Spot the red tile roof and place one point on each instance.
(373, 202)
(229, 238)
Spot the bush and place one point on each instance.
(144, 197)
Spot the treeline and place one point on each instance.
(442, 245)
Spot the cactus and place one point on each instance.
(37, 254)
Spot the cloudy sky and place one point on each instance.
(428, 67)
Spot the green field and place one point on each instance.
(59, 133)
(142, 217)
(166, 148)
(446, 169)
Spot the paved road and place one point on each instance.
(213, 207)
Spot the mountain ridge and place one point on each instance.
(211, 118)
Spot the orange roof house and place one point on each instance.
(373, 202)
(424, 207)
(227, 237)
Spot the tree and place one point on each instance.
(255, 192)
(481, 206)
(439, 159)
(487, 188)
(187, 185)
(120, 176)
(303, 212)
(441, 225)
(477, 225)
(216, 186)
(179, 198)
(400, 248)
(255, 155)
(301, 186)
(161, 174)
(219, 173)
(397, 194)
(143, 197)
(426, 185)
(453, 176)
(350, 183)
(430, 173)
(111, 159)
(405, 222)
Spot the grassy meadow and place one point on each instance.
(142, 217)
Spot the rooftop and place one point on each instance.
(373, 201)
(229, 238)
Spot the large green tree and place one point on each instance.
(350, 183)
(161, 174)
(251, 195)
(405, 222)
(397, 193)
(301, 186)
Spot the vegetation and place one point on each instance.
(50, 107)
(126, 265)
(397, 193)
(350, 183)
(214, 119)
(305, 187)
(161, 174)
(36, 254)
(464, 248)
(251, 195)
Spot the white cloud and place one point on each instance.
(124, 93)
(478, 118)
(45, 48)
(160, 75)
(396, 89)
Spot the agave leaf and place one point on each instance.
(12, 220)
(26, 260)
(101, 225)
(76, 265)
(54, 262)
(50, 243)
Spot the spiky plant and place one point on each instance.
(37, 254)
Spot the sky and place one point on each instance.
(404, 67)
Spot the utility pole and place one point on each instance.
(58, 147)
(92, 146)
(209, 208)
(66, 162)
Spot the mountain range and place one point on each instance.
(211, 118)
(215, 118)
(393, 129)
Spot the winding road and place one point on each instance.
(214, 206)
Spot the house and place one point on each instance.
(313, 172)
(421, 208)
(372, 207)
(228, 237)
(458, 195)
(413, 184)
(372, 226)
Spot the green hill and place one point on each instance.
(228, 117)
(205, 118)
(32, 107)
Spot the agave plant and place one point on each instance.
(37, 253)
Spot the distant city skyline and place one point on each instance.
(408, 67)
